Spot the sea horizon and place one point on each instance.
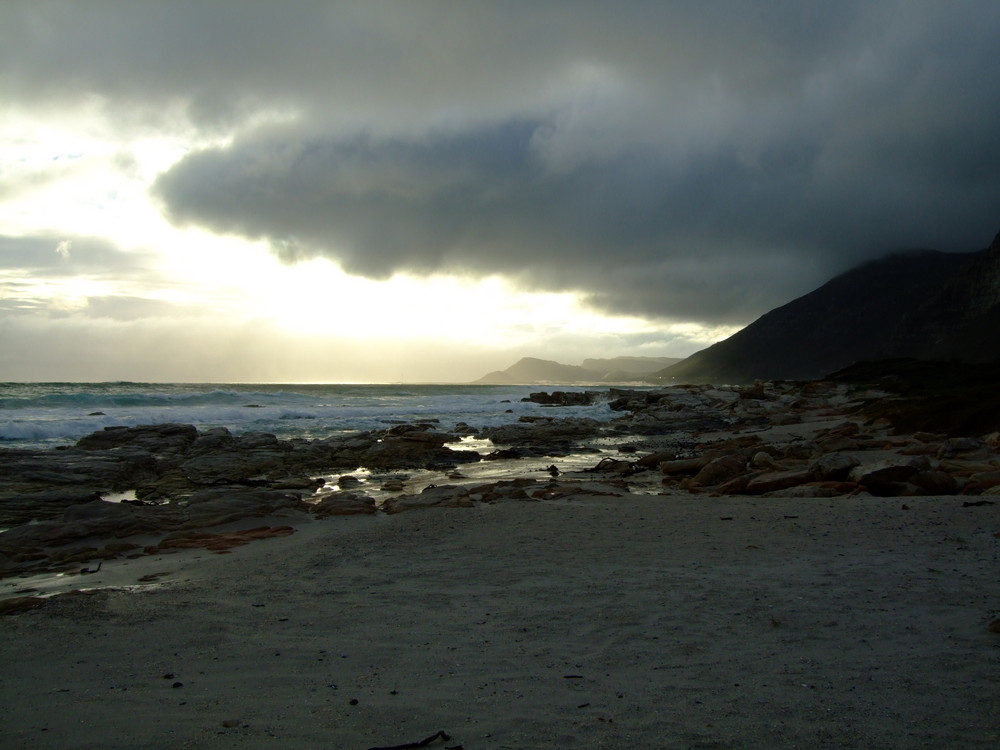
(39, 414)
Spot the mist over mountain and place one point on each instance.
(919, 304)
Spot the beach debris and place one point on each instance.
(611, 465)
(422, 743)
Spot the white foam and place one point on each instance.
(51, 414)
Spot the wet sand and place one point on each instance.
(647, 621)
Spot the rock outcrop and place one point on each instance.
(544, 435)
(177, 464)
(858, 454)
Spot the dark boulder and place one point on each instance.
(564, 398)
(159, 438)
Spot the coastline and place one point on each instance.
(620, 608)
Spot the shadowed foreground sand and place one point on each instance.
(639, 622)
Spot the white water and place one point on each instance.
(34, 415)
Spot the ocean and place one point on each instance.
(48, 415)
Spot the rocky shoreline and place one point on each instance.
(716, 567)
(785, 439)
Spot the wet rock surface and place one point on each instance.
(565, 398)
(815, 439)
(41, 484)
(544, 435)
(171, 463)
(802, 438)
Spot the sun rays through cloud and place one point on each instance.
(465, 181)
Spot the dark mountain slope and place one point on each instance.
(885, 308)
(962, 321)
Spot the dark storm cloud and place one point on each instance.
(706, 160)
(649, 235)
(644, 232)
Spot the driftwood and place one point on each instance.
(423, 743)
(615, 465)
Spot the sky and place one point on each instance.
(427, 190)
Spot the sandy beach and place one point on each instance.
(682, 621)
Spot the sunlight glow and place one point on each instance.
(315, 297)
(72, 181)
(701, 335)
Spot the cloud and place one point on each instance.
(699, 161)
(134, 308)
(57, 256)
(710, 235)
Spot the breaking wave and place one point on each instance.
(51, 414)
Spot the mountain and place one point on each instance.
(532, 371)
(625, 368)
(961, 321)
(529, 370)
(921, 304)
